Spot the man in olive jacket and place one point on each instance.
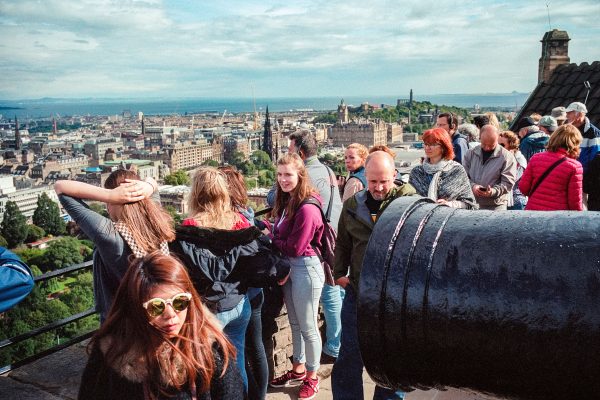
(359, 214)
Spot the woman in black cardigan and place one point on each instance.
(159, 341)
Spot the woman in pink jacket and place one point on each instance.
(561, 188)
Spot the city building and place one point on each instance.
(175, 196)
(368, 133)
(26, 199)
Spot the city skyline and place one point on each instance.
(137, 49)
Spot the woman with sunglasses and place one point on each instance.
(159, 341)
(439, 177)
(137, 225)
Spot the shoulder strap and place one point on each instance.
(332, 187)
(315, 202)
(545, 174)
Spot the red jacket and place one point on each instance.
(562, 188)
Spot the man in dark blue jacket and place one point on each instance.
(449, 123)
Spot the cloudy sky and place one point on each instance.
(303, 48)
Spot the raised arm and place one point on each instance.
(128, 192)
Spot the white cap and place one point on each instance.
(577, 106)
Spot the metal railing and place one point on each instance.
(51, 326)
(63, 322)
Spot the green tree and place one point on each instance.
(211, 163)
(64, 252)
(247, 168)
(261, 159)
(179, 177)
(34, 233)
(3, 241)
(47, 216)
(14, 225)
(330, 118)
(31, 257)
(177, 218)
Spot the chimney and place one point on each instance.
(555, 52)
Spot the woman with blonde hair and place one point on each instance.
(355, 156)
(137, 226)
(298, 224)
(210, 243)
(553, 179)
(257, 367)
(493, 119)
(159, 341)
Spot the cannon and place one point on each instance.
(499, 302)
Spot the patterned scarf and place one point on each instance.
(435, 170)
(138, 252)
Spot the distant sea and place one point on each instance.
(47, 107)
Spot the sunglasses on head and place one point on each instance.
(156, 306)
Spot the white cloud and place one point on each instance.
(93, 47)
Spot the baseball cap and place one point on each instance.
(560, 113)
(577, 106)
(549, 122)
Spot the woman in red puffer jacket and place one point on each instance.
(562, 187)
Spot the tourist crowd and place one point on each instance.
(182, 308)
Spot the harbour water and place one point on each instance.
(48, 107)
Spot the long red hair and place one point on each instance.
(128, 328)
(441, 137)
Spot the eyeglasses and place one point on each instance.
(431, 145)
(157, 306)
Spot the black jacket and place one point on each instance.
(101, 381)
(224, 263)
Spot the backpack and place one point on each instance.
(16, 279)
(325, 248)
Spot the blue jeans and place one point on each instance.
(346, 377)
(331, 298)
(234, 323)
(301, 294)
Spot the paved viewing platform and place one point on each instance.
(56, 377)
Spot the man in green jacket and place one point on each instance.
(359, 215)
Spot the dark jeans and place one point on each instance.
(346, 378)
(257, 368)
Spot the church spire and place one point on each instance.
(17, 135)
(268, 136)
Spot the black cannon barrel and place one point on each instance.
(500, 302)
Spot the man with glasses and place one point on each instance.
(449, 123)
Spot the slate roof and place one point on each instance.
(566, 86)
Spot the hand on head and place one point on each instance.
(130, 191)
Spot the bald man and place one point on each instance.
(359, 214)
(492, 171)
